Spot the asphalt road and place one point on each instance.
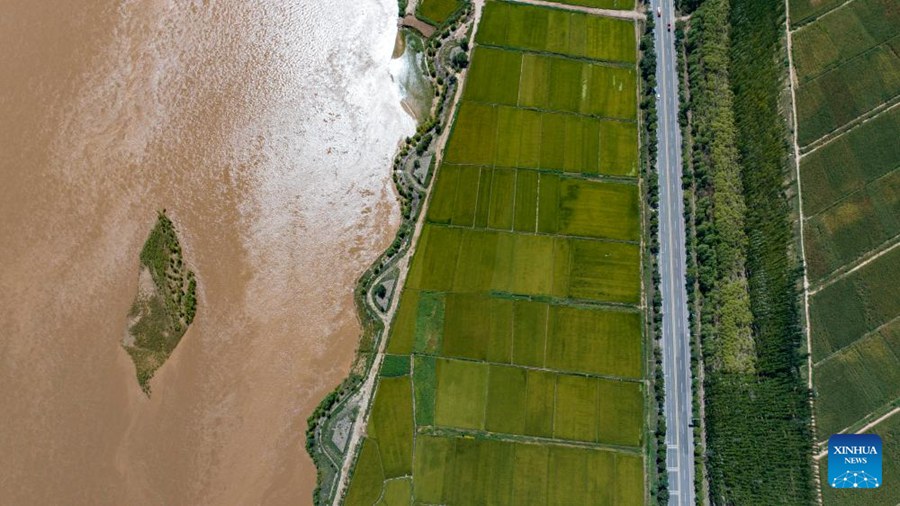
(675, 341)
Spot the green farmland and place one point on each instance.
(889, 430)
(848, 85)
(515, 363)
(436, 12)
(847, 63)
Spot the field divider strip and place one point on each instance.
(456, 432)
(849, 268)
(607, 377)
(628, 14)
(809, 21)
(609, 63)
(561, 112)
(867, 426)
(840, 63)
(596, 178)
(856, 122)
(858, 342)
(635, 242)
(848, 195)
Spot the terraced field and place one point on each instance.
(515, 363)
(848, 91)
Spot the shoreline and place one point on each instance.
(341, 417)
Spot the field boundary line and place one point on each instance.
(635, 242)
(618, 64)
(871, 255)
(795, 145)
(544, 368)
(851, 125)
(585, 176)
(864, 427)
(457, 432)
(631, 14)
(551, 111)
(843, 198)
(858, 342)
(808, 21)
(840, 63)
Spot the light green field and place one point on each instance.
(551, 83)
(480, 471)
(467, 260)
(569, 206)
(436, 12)
(506, 136)
(557, 31)
(515, 357)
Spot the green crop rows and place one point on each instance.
(889, 430)
(515, 359)
(847, 63)
(848, 67)
(436, 12)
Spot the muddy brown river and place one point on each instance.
(266, 130)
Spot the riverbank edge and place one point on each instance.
(351, 399)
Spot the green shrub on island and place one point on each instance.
(165, 305)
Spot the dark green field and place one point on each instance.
(847, 65)
(516, 355)
(437, 11)
(889, 430)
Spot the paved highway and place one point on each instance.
(675, 341)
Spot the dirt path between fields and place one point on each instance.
(868, 426)
(610, 13)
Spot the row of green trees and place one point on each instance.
(758, 439)
(649, 120)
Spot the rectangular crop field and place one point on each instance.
(505, 136)
(467, 260)
(857, 28)
(858, 380)
(552, 83)
(483, 471)
(847, 163)
(557, 31)
(600, 4)
(859, 223)
(843, 93)
(535, 201)
(889, 430)
(854, 305)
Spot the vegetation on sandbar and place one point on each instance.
(163, 309)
